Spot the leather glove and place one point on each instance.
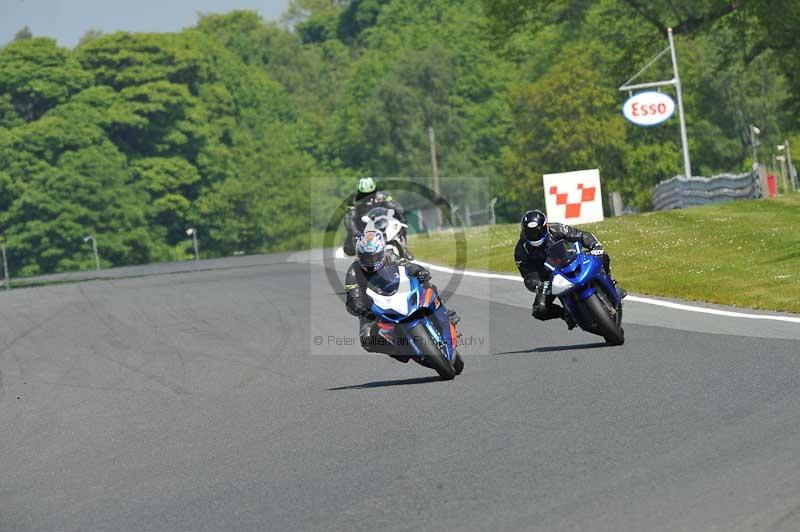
(545, 288)
(424, 276)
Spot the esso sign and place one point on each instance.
(648, 108)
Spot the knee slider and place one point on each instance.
(369, 343)
(531, 284)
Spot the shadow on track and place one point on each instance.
(554, 349)
(382, 384)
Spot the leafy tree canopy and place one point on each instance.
(225, 126)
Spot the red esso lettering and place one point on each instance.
(662, 108)
(635, 109)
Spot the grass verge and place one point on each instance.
(743, 253)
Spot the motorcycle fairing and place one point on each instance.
(573, 283)
(410, 305)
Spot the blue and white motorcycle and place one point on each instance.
(413, 318)
(586, 291)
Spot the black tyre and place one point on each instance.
(607, 326)
(431, 354)
(458, 364)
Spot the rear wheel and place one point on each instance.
(607, 326)
(432, 356)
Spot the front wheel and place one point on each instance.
(432, 357)
(607, 326)
(458, 364)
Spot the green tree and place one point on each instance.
(36, 75)
(23, 34)
(88, 36)
(56, 206)
(562, 125)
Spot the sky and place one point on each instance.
(68, 20)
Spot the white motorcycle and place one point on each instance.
(385, 221)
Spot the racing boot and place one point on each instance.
(453, 316)
(407, 252)
(543, 307)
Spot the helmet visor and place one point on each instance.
(534, 235)
(371, 261)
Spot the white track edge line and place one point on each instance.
(637, 299)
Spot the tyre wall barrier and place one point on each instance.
(680, 192)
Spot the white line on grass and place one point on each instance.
(339, 254)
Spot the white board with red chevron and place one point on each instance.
(574, 197)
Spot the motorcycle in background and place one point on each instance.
(392, 229)
(586, 291)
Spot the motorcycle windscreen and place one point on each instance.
(380, 215)
(386, 281)
(561, 254)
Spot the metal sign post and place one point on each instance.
(676, 82)
(435, 174)
(492, 217)
(790, 164)
(754, 142)
(94, 250)
(192, 232)
(7, 278)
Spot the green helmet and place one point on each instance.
(366, 185)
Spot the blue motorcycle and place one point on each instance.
(586, 291)
(412, 317)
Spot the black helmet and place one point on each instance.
(533, 228)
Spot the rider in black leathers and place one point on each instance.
(363, 201)
(530, 254)
(371, 258)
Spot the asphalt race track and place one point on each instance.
(200, 401)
